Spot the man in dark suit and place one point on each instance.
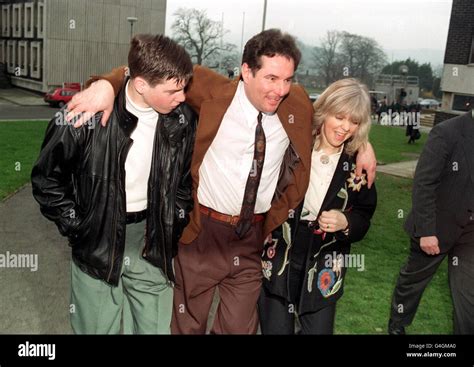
(441, 223)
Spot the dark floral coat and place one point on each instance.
(325, 265)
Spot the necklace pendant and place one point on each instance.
(324, 159)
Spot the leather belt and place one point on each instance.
(230, 219)
(136, 217)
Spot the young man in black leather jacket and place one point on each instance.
(122, 193)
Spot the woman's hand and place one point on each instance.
(332, 221)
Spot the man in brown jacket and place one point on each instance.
(250, 167)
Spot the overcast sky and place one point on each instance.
(395, 24)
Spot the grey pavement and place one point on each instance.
(14, 112)
(32, 302)
(20, 104)
(400, 169)
(22, 97)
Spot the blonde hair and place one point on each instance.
(347, 97)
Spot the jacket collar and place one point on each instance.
(126, 120)
(468, 136)
(343, 168)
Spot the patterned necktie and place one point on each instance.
(253, 180)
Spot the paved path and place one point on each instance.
(21, 97)
(20, 104)
(400, 169)
(32, 301)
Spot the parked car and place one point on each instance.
(430, 103)
(313, 97)
(59, 96)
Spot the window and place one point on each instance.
(471, 55)
(463, 103)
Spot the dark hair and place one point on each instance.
(270, 43)
(157, 59)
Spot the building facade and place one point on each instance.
(45, 43)
(457, 82)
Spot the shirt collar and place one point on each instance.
(250, 112)
(334, 157)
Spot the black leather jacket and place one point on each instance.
(79, 182)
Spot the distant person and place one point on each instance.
(412, 124)
(374, 106)
(230, 73)
(122, 194)
(383, 109)
(305, 263)
(440, 224)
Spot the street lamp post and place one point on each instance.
(403, 69)
(242, 34)
(131, 20)
(264, 14)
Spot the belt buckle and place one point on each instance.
(234, 219)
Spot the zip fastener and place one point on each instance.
(121, 178)
(154, 163)
(171, 284)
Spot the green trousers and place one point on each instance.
(143, 296)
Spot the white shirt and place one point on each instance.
(138, 163)
(320, 179)
(227, 163)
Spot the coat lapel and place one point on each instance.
(288, 117)
(338, 180)
(468, 145)
(211, 114)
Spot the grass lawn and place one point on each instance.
(21, 142)
(390, 144)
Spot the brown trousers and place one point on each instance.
(218, 258)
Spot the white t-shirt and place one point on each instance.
(138, 162)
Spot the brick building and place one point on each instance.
(457, 82)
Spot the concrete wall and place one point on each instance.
(89, 37)
(458, 78)
(50, 42)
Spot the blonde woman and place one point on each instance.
(305, 262)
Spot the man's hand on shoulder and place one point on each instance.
(367, 161)
(98, 97)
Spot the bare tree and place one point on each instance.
(201, 36)
(327, 60)
(349, 48)
(365, 57)
(343, 54)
